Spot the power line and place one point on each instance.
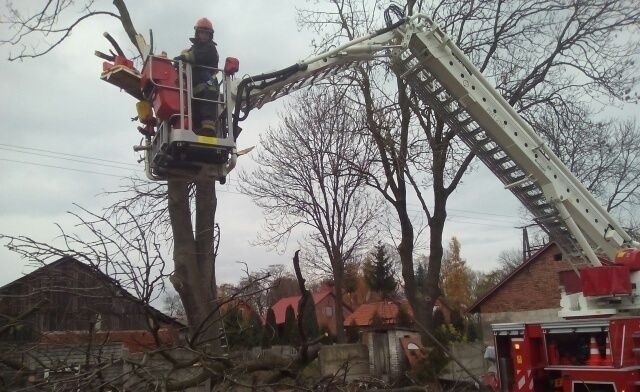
(457, 219)
(484, 218)
(92, 172)
(480, 213)
(67, 159)
(61, 167)
(467, 211)
(453, 218)
(67, 154)
(506, 220)
(137, 166)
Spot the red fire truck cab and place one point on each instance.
(594, 355)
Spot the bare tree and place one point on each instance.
(173, 306)
(546, 57)
(129, 259)
(193, 236)
(310, 177)
(270, 284)
(54, 21)
(604, 155)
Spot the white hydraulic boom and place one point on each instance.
(445, 79)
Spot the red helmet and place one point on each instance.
(204, 24)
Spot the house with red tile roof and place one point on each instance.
(387, 312)
(325, 303)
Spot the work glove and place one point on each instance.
(180, 58)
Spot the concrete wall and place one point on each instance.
(471, 355)
(367, 340)
(395, 352)
(338, 358)
(280, 351)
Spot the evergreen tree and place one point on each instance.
(310, 321)
(254, 330)
(233, 327)
(270, 330)
(290, 335)
(378, 272)
(241, 331)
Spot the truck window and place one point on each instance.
(593, 387)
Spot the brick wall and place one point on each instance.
(536, 286)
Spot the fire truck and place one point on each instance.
(581, 355)
(598, 345)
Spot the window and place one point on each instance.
(328, 311)
(593, 386)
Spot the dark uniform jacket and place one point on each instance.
(202, 54)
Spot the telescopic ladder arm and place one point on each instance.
(445, 79)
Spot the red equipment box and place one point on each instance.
(605, 280)
(166, 98)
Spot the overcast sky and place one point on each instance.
(67, 137)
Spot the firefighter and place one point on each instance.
(203, 53)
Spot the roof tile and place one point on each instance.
(387, 310)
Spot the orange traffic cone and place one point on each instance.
(594, 353)
(608, 359)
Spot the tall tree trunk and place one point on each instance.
(338, 278)
(405, 251)
(432, 284)
(394, 161)
(436, 226)
(406, 246)
(194, 257)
